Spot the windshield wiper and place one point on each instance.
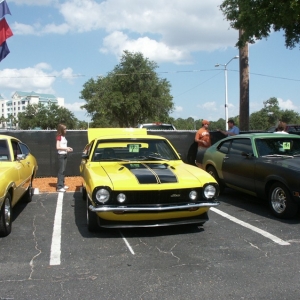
(113, 159)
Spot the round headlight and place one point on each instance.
(193, 195)
(209, 191)
(102, 196)
(121, 198)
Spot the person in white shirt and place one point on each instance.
(280, 129)
(62, 150)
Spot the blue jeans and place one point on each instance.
(62, 162)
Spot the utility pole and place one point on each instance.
(244, 87)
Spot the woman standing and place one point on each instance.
(62, 149)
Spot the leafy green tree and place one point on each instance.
(256, 19)
(46, 117)
(259, 120)
(2, 121)
(131, 94)
(290, 117)
(270, 114)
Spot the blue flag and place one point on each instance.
(3, 50)
(4, 10)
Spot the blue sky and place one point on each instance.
(57, 46)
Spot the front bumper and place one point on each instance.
(164, 208)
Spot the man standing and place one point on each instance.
(202, 136)
(232, 130)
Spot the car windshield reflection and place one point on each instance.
(278, 147)
(133, 150)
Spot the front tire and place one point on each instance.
(92, 218)
(280, 201)
(6, 216)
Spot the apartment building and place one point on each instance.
(19, 101)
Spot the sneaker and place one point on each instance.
(61, 190)
(66, 187)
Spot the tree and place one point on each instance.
(46, 117)
(2, 121)
(257, 18)
(131, 94)
(270, 115)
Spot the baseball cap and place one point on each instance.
(205, 122)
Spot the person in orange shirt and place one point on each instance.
(202, 136)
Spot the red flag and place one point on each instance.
(3, 50)
(5, 31)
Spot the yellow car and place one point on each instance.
(17, 170)
(131, 179)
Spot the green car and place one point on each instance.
(265, 165)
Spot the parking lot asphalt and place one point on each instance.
(242, 252)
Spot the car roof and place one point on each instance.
(7, 137)
(157, 124)
(264, 135)
(120, 133)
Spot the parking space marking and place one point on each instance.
(266, 234)
(127, 243)
(56, 236)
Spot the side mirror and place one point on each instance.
(84, 156)
(21, 157)
(247, 154)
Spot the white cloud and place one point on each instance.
(34, 2)
(287, 104)
(209, 106)
(117, 42)
(159, 30)
(75, 106)
(178, 109)
(23, 29)
(39, 78)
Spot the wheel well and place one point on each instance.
(270, 183)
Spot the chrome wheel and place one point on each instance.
(5, 216)
(278, 200)
(281, 202)
(7, 212)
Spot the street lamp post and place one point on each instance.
(226, 92)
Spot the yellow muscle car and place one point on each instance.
(17, 171)
(131, 179)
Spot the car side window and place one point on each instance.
(87, 149)
(4, 151)
(224, 147)
(16, 149)
(239, 146)
(24, 149)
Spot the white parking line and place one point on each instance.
(266, 234)
(127, 243)
(56, 236)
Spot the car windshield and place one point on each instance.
(278, 146)
(133, 150)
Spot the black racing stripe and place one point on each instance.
(164, 173)
(142, 173)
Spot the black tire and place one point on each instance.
(213, 172)
(91, 218)
(6, 216)
(83, 191)
(281, 202)
(29, 193)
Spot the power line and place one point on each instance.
(162, 72)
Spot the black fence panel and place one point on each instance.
(42, 144)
